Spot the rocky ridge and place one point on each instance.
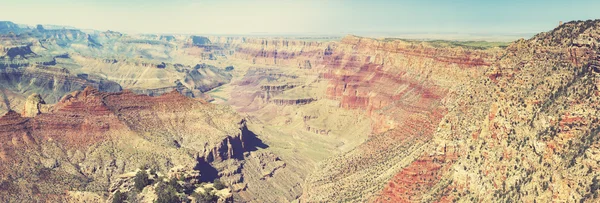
(533, 138)
(441, 123)
(106, 60)
(428, 104)
(77, 139)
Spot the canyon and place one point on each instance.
(297, 120)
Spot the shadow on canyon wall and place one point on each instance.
(251, 143)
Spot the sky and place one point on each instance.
(318, 17)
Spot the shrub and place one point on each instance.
(119, 197)
(166, 194)
(218, 184)
(175, 185)
(153, 172)
(206, 197)
(595, 185)
(132, 196)
(141, 180)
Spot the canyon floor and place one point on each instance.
(108, 117)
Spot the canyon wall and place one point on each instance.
(96, 136)
(356, 120)
(50, 83)
(528, 131)
(401, 85)
(53, 62)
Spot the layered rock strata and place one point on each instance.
(95, 136)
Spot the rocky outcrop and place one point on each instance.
(230, 148)
(281, 52)
(158, 78)
(266, 85)
(447, 123)
(425, 179)
(65, 37)
(200, 41)
(459, 56)
(78, 136)
(183, 182)
(518, 146)
(452, 123)
(22, 56)
(34, 106)
(401, 85)
(206, 77)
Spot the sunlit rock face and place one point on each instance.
(442, 115)
(52, 62)
(353, 120)
(76, 139)
(402, 86)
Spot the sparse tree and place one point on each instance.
(141, 180)
(119, 197)
(166, 193)
(206, 197)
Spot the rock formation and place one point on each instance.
(33, 105)
(77, 138)
(427, 103)
(531, 137)
(354, 120)
(8, 27)
(65, 60)
(50, 83)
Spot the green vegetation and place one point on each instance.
(217, 184)
(209, 196)
(172, 191)
(119, 197)
(141, 180)
(595, 187)
(132, 196)
(175, 185)
(166, 193)
(206, 197)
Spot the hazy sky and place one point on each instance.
(302, 16)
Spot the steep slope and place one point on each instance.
(446, 119)
(400, 85)
(67, 60)
(529, 131)
(359, 120)
(87, 139)
(51, 83)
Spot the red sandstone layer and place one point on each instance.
(402, 85)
